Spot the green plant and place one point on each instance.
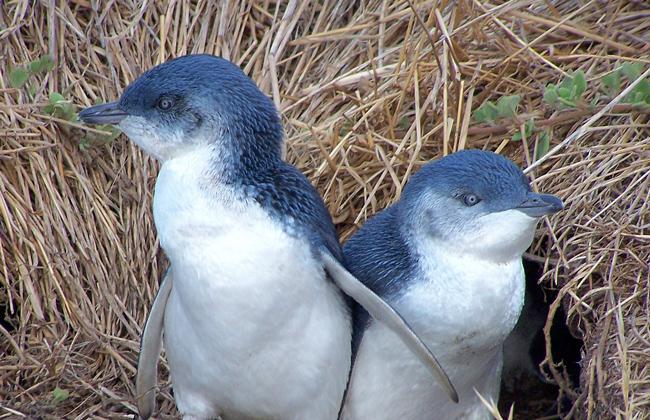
(59, 395)
(529, 129)
(543, 143)
(108, 134)
(568, 93)
(59, 107)
(542, 138)
(611, 84)
(632, 70)
(489, 112)
(19, 76)
(640, 95)
(506, 107)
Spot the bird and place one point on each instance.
(448, 257)
(255, 309)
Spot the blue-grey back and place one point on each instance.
(288, 196)
(379, 257)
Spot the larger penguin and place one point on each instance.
(254, 328)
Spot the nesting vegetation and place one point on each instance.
(369, 91)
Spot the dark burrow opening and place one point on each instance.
(8, 320)
(532, 391)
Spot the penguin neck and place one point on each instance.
(248, 144)
(244, 158)
(430, 249)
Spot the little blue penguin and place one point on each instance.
(448, 257)
(253, 309)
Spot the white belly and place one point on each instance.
(464, 317)
(389, 383)
(253, 329)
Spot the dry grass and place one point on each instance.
(367, 96)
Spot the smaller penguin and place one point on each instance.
(448, 257)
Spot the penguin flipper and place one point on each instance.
(384, 313)
(150, 347)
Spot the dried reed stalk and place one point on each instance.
(369, 90)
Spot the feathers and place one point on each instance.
(452, 268)
(287, 195)
(384, 313)
(150, 347)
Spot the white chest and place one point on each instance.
(462, 302)
(250, 305)
(463, 309)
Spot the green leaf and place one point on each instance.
(643, 86)
(550, 94)
(567, 103)
(632, 70)
(59, 107)
(52, 104)
(59, 395)
(507, 105)
(639, 97)
(529, 127)
(564, 93)
(95, 139)
(579, 84)
(630, 98)
(68, 112)
(567, 84)
(114, 132)
(486, 113)
(56, 97)
(640, 93)
(18, 77)
(543, 144)
(43, 64)
(612, 83)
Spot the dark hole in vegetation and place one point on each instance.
(522, 383)
(8, 321)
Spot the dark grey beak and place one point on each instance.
(538, 205)
(109, 113)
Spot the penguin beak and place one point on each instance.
(109, 113)
(538, 205)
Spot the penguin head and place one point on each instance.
(475, 202)
(195, 100)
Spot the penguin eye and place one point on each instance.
(470, 199)
(165, 103)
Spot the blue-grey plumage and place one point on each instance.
(253, 328)
(447, 256)
(205, 101)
